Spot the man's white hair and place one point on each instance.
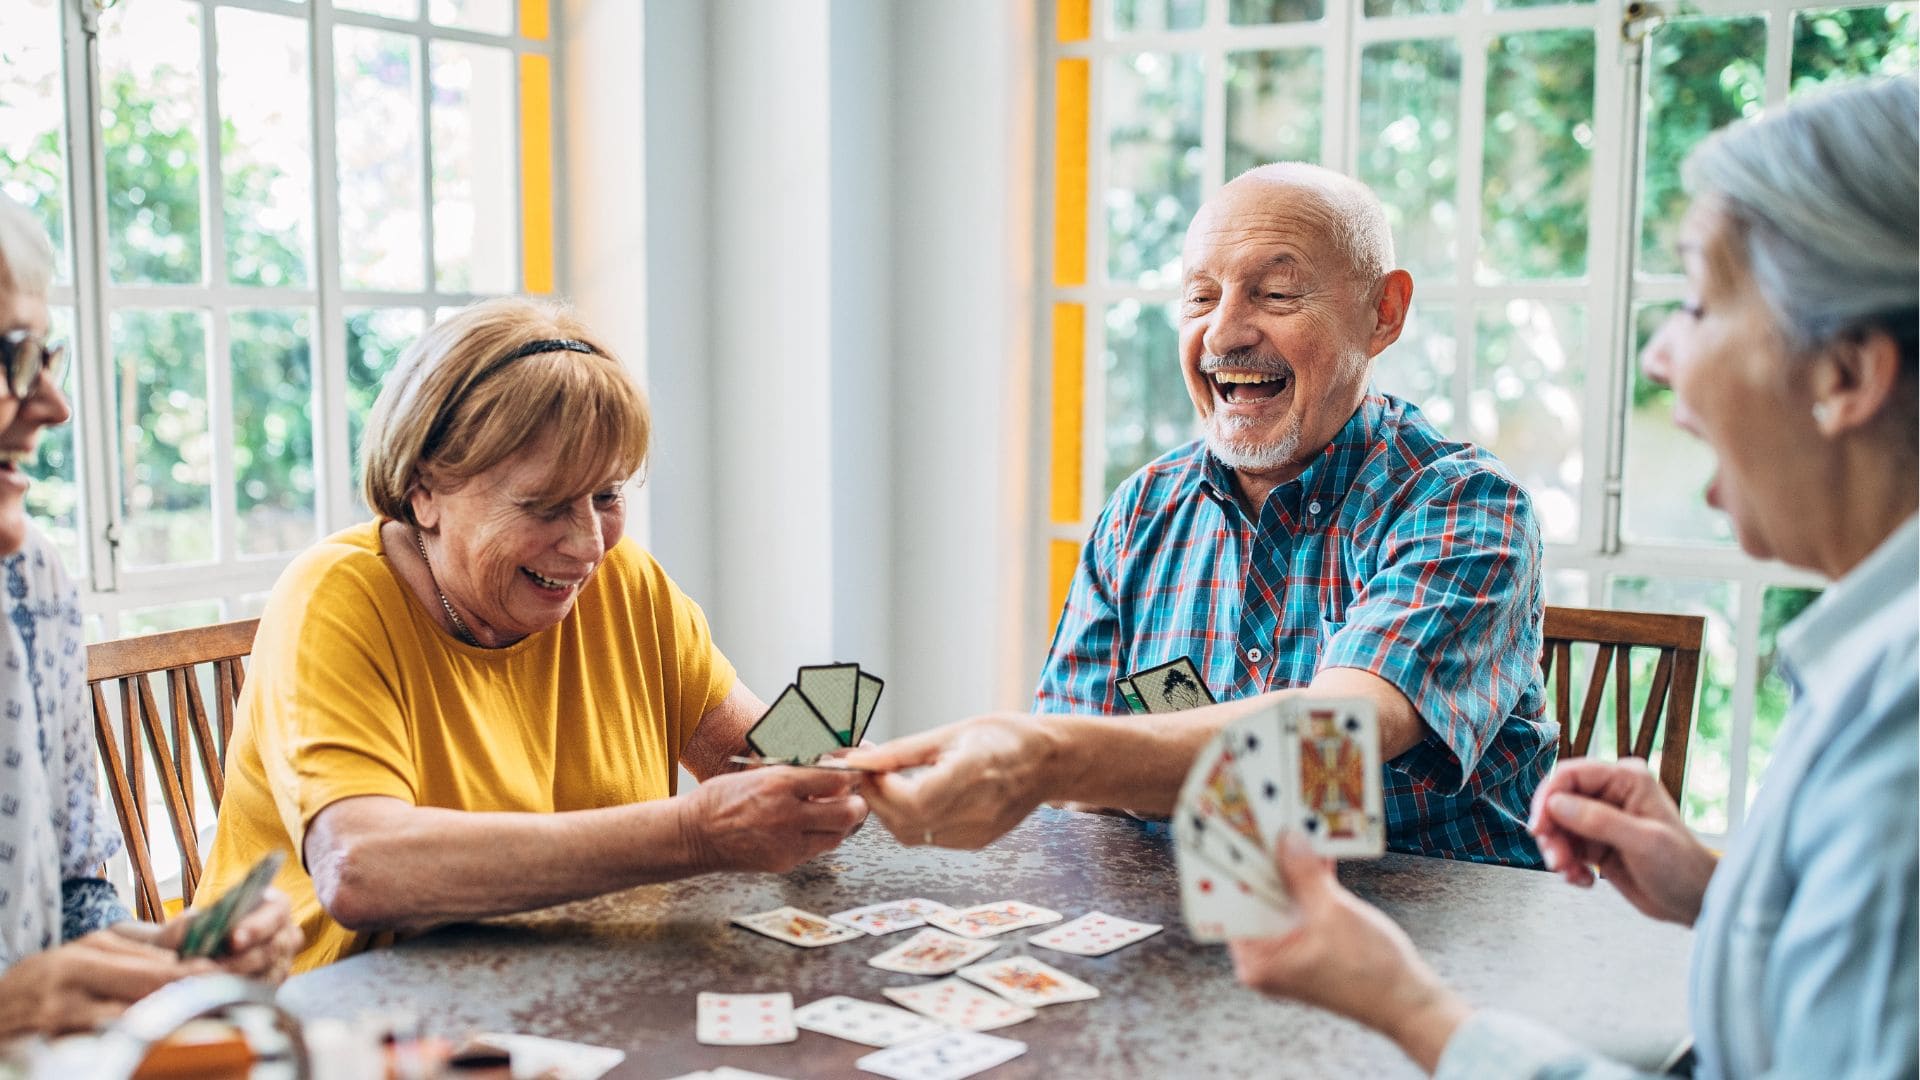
(26, 252)
(1359, 221)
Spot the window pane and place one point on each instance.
(1273, 107)
(1153, 163)
(1242, 12)
(1710, 746)
(33, 166)
(166, 458)
(266, 152)
(1409, 151)
(1567, 588)
(1779, 605)
(375, 339)
(1852, 42)
(1537, 161)
(155, 620)
(1419, 367)
(381, 230)
(1701, 74)
(393, 9)
(1130, 16)
(151, 126)
(474, 213)
(273, 430)
(1667, 470)
(1411, 7)
(486, 16)
(1148, 410)
(1526, 407)
(53, 502)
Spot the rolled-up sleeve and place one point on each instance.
(1493, 1045)
(1085, 657)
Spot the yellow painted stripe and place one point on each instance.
(533, 20)
(1074, 20)
(1069, 378)
(1063, 557)
(1070, 172)
(536, 171)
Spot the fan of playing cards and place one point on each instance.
(825, 708)
(1307, 765)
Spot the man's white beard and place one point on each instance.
(1239, 452)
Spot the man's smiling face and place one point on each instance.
(1277, 326)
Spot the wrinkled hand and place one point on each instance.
(261, 946)
(770, 819)
(1614, 815)
(85, 983)
(1347, 957)
(981, 777)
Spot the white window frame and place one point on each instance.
(110, 589)
(1610, 291)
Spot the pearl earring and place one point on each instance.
(1822, 412)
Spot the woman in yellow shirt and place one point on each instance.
(476, 704)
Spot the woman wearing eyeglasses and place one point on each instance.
(71, 958)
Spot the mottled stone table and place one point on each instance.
(622, 970)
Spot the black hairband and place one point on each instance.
(551, 345)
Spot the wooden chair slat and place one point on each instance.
(182, 739)
(1614, 635)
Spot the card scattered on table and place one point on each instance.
(958, 1003)
(745, 1019)
(1308, 765)
(953, 1056)
(877, 919)
(826, 708)
(864, 1022)
(1094, 934)
(932, 952)
(986, 920)
(531, 1055)
(797, 927)
(726, 1072)
(1027, 981)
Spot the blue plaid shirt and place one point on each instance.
(1394, 552)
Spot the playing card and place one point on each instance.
(894, 915)
(864, 703)
(1263, 751)
(1028, 981)
(1130, 695)
(206, 934)
(864, 1022)
(1213, 817)
(1208, 839)
(1094, 934)
(797, 927)
(1172, 686)
(952, 1056)
(832, 690)
(932, 952)
(792, 729)
(986, 920)
(745, 1019)
(1337, 743)
(556, 1058)
(958, 1003)
(1218, 906)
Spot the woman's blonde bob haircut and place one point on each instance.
(454, 407)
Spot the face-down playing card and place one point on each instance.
(834, 691)
(792, 730)
(1171, 687)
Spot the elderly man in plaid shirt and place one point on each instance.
(1320, 536)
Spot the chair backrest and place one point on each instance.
(180, 738)
(1614, 635)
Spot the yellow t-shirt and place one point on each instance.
(354, 690)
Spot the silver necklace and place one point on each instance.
(459, 624)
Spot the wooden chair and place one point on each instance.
(1615, 634)
(180, 739)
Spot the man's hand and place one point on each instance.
(1347, 957)
(770, 819)
(84, 984)
(1616, 816)
(982, 777)
(261, 946)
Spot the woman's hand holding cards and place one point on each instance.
(85, 983)
(771, 819)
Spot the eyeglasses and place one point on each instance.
(23, 356)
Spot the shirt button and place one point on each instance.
(1313, 507)
(1254, 655)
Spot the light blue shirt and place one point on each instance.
(1804, 961)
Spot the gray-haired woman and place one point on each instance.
(1794, 357)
